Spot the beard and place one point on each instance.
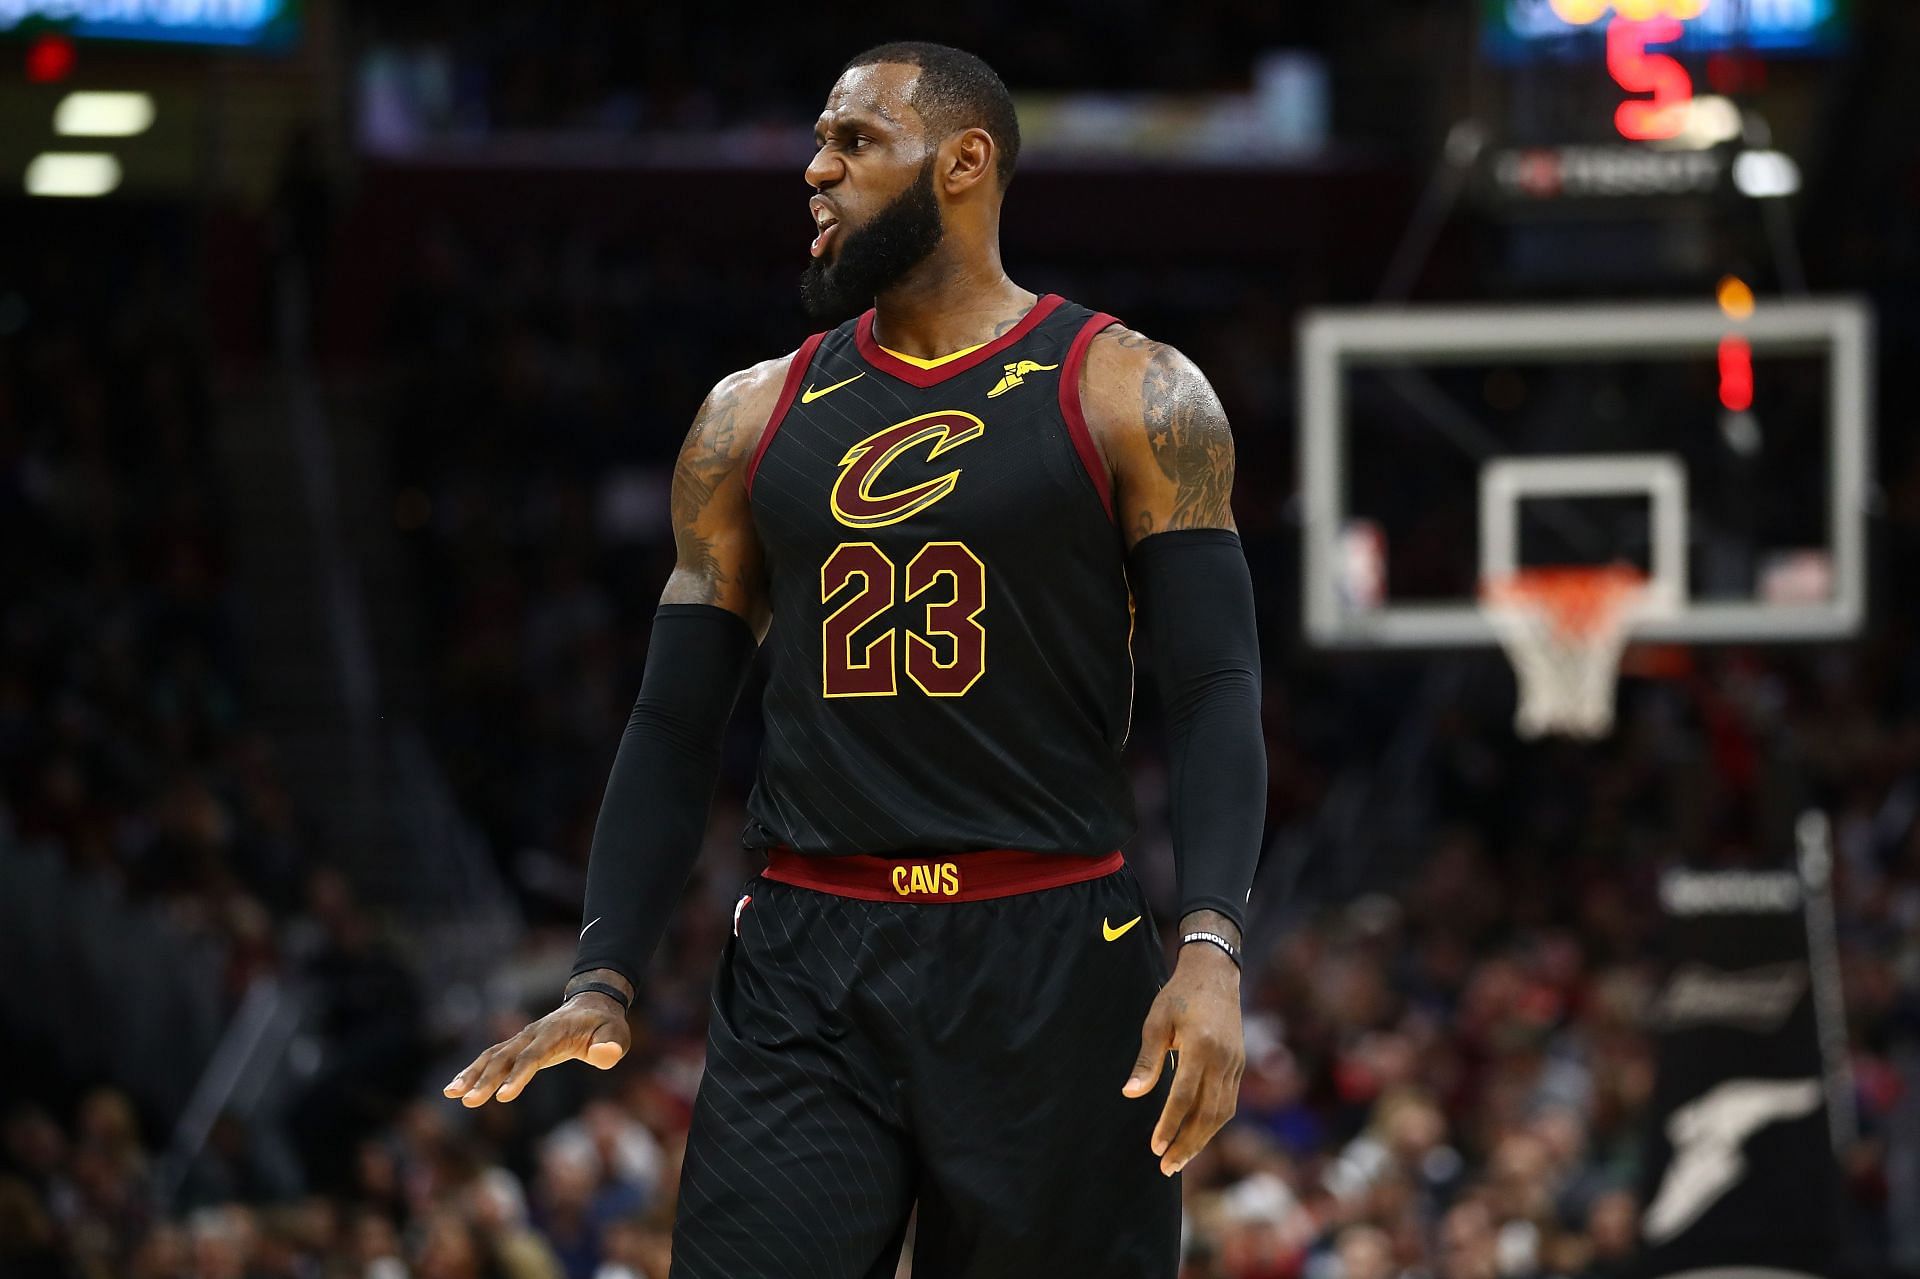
(875, 257)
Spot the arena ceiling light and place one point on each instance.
(72, 173)
(93, 114)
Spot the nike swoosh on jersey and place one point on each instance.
(1114, 934)
(809, 395)
(596, 919)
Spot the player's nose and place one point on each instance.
(824, 170)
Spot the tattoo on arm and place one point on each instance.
(708, 457)
(1191, 442)
(708, 453)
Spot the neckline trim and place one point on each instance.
(937, 361)
(887, 362)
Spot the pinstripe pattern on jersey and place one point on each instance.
(1028, 756)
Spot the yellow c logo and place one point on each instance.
(856, 505)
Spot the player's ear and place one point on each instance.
(967, 159)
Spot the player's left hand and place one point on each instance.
(1197, 1014)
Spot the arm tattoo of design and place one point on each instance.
(706, 459)
(702, 569)
(1191, 442)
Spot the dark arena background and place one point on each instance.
(345, 349)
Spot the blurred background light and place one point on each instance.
(1580, 12)
(228, 23)
(95, 114)
(1705, 121)
(1735, 297)
(1764, 175)
(72, 173)
(49, 59)
(1736, 374)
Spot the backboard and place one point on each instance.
(1725, 458)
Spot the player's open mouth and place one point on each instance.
(827, 229)
(824, 224)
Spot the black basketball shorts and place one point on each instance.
(946, 1034)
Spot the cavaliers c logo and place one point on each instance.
(855, 503)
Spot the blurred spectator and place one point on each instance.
(1364, 1252)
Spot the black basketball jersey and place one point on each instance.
(951, 651)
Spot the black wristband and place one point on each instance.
(618, 995)
(1213, 939)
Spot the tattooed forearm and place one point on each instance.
(1191, 442)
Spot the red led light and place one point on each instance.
(1736, 374)
(1638, 71)
(49, 59)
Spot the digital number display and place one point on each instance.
(1637, 70)
(1575, 30)
(1644, 58)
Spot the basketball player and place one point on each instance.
(945, 989)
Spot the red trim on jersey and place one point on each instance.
(1071, 411)
(788, 390)
(887, 362)
(959, 877)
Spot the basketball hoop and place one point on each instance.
(1564, 629)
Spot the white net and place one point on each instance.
(1564, 630)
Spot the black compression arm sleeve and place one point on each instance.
(1196, 601)
(654, 814)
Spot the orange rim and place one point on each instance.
(1582, 601)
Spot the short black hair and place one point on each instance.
(955, 91)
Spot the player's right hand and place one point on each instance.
(590, 1027)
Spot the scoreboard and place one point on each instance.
(1663, 71)
(1515, 31)
(1611, 105)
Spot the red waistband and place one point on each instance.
(958, 877)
